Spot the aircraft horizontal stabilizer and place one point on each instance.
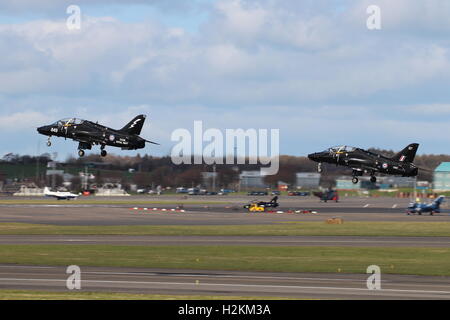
(152, 142)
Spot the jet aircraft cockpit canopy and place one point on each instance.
(341, 149)
(68, 122)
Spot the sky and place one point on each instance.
(310, 68)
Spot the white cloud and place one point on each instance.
(20, 121)
(293, 63)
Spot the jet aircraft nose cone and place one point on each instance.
(313, 156)
(44, 130)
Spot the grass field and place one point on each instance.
(43, 295)
(419, 261)
(416, 229)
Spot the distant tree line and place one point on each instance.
(148, 171)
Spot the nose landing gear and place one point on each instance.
(103, 152)
(49, 142)
(355, 175)
(83, 146)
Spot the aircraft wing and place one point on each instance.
(88, 137)
(365, 167)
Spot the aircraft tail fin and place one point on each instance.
(135, 125)
(408, 154)
(47, 191)
(274, 200)
(439, 201)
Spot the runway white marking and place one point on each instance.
(225, 276)
(236, 285)
(394, 206)
(366, 206)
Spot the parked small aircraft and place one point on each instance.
(89, 133)
(329, 195)
(419, 208)
(262, 205)
(59, 195)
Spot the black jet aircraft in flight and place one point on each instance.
(364, 161)
(88, 133)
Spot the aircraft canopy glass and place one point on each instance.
(68, 122)
(342, 149)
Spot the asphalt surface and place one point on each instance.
(188, 282)
(231, 213)
(225, 283)
(274, 241)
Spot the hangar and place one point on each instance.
(441, 177)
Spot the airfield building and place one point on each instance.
(307, 180)
(441, 179)
(252, 180)
(345, 183)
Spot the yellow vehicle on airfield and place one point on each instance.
(260, 206)
(255, 208)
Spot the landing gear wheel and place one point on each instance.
(104, 153)
(373, 179)
(81, 153)
(355, 180)
(49, 143)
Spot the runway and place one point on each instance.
(219, 283)
(225, 283)
(274, 241)
(232, 213)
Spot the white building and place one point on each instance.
(307, 180)
(252, 179)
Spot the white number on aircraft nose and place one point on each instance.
(55, 130)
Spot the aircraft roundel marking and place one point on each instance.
(385, 165)
(112, 138)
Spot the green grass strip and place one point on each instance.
(419, 261)
(414, 229)
(45, 295)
